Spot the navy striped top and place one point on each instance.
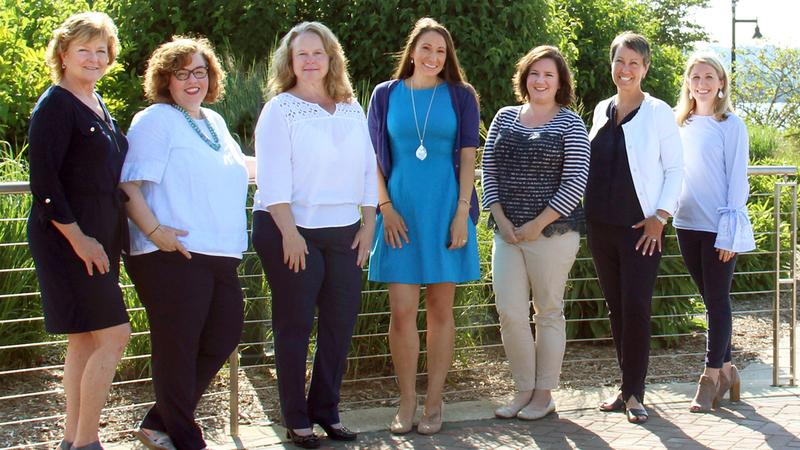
(527, 169)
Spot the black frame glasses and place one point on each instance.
(198, 72)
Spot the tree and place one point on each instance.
(767, 89)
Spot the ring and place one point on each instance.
(654, 239)
(463, 241)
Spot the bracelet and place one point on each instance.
(662, 220)
(154, 230)
(384, 203)
(465, 201)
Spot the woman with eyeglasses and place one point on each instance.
(187, 182)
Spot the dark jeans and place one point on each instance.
(713, 278)
(627, 278)
(331, 284)
(195, 312)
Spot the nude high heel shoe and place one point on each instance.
(431, 423)
(732, 384)
(706, 397)
(401, 426)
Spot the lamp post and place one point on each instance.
(734, 21)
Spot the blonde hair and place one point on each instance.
(174, 55)
(281, 74)
(565, 95)
(687, 105)
(81, 27)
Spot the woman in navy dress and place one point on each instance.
(424, 127)
(77, 225)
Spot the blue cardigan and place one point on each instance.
(467, 129)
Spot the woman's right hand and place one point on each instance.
(91, 253)
(166, 239)
(294, 250)
(506, 230)
(395, 230)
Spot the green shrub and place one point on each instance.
(764, 142)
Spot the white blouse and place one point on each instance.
(187, 184)
(715, 187)
(321, 164)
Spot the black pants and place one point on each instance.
(627, 278)
(195, 313)
(713, 278)
(331, 283)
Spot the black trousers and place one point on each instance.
(627, 279)
(195, 313)
(713, 278)
(331, 284)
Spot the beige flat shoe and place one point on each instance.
(531, 412)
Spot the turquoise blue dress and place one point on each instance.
(425, 194)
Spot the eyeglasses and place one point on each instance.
(183, 74)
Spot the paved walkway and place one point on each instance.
(766, 417)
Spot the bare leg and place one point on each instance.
(96, 380)
(439, 342)
(404, 342)
(80, 347)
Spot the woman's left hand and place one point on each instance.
(363, 243)
(458, 230)
(651, 238)
(529, 231)
(725, 255)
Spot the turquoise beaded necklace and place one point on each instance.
(214, 141)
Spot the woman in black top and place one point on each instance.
(77, 226)
(634, 181)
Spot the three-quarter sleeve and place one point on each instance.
(489, 184)
(49, 136)
(575, 171)
(273, 156)
(735, 232)
(149, 140)
(470, 119)
(671, 152)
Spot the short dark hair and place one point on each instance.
(633, 41)
(566, 92)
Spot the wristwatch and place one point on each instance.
(663, 220)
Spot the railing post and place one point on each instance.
(791, 281)
(233, 386)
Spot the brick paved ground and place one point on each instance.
(769, 422)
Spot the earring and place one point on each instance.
(412, 60)
(691, 97)
(63, 66)
(720, 94)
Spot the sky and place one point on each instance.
(778, 20)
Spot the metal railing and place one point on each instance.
(479, 351)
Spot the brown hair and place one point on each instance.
(565, 95)
(81, 27)
(633, 41)
(451, 72)
(687, 104)
(174, 55)
(281, 74)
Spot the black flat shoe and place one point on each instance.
(339, 434)
(309, 441)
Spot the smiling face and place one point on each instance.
(190, 93)
(628, 69)
(310, 61)
(543, 82)
(704, 84)
(429, 54)
(86, 61)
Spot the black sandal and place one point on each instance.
(637, 415)
(616, 405)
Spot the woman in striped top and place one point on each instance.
(535, 166)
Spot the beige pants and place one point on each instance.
(543, 266)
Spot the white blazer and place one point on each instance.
(655, 153)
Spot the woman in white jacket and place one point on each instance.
(635, 178)
(711, 220)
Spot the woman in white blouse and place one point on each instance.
(314, 221)
(187, 182)
(711, 220)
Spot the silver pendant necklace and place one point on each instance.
(421, 152)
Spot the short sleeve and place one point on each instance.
(149, 145)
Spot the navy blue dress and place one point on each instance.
(75, 163)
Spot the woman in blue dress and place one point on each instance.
(424, 126)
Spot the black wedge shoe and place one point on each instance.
(339, 434)
(309, 441)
